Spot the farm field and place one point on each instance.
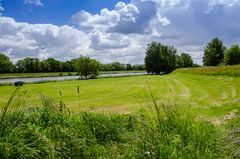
(204, 95)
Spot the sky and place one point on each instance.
(113, 30)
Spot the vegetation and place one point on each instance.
(116, 66)
(34, 65)
(51, 132)
(5, 64)
(232, 55)
(129, 94)
(216, 71)
(200, 119)
(87, 67)
(160, 58)
(214, 53)
(184, 61)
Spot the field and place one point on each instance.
(191, 116)
(202, 94)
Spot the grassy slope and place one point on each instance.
(205, 95)
(216, 71)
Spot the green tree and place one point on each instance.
(67, 66)
(160, 58)
(129, 67)
(179, 62)
(28, 65)
(232, 55)
(44, 66)
(55, 65)
(6, 65)
(186, 60)
(214, 53)
(87, 67)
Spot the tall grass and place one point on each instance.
(51, 131)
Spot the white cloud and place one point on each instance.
(134, 17)
(123, 33)
(109, 41)
(34, 2)
(41, 40)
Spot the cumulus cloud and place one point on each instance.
(109, 41)
(34, 2)
(122, 34)
(134, 17)
(41, 40)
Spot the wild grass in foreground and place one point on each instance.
(51, 131)
(216, 71)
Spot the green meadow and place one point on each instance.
(202, 94)
(185, 114)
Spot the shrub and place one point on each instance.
(232, 55)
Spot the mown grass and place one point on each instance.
(216, 71)
(51, 131)
(203, 95)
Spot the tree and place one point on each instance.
(87, 67)
(129, 67)
(160, 58)
(138, 67)
(6, 65)
(67, 66)
(55, 65)
(186, 60)
(28, 65)
(214, 53)
(232, 55)
(44, 66)
(179, 62)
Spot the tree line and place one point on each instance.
(35, 65)
(215, 54)
(164, 59)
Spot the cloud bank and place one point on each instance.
(123, 33)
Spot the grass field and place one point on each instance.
(201, 122)
(207, 95)
(214, 71)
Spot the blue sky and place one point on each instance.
(56, 12)
(113, 30)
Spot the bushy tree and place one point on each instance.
(160, 58)
(6, 65)
(44, 66)
(185, 60)
(214, 53)
(138, 67)
(67, 66)
(87, 67)
(129, 67)
(28, 65)
(55, 65)
(232, 55)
